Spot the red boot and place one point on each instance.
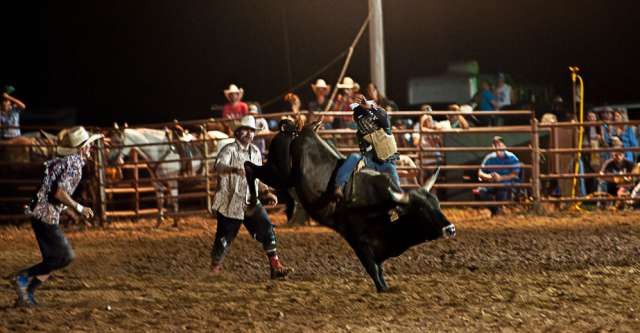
(277, 269)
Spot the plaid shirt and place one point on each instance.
(233, 191)
(10, 119)
(61, 172)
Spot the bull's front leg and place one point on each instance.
(251, 172)
(374, 270)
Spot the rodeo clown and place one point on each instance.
(377, 144)
(61, 177)
(231, 201)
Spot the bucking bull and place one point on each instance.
(304, 161)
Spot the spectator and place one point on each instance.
(10, 116)
(625, 134)
(380, 99)
(262, 127)
(320, 90)
(428, 141)
(508, 175)
(236, 108)
(591, 138)
(457, 120)
(343, 101)
(294, 106)
(487, 102)
(504, 93)
(618, 164)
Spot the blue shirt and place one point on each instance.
(509, 159)
(11, 118)
(486, 97)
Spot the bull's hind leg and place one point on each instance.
(375, 271)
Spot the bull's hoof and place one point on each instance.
(384, 289)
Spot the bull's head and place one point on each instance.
(422, 208)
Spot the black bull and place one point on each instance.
(309, 164)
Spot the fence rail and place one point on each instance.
(139, 189)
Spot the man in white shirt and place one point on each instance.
(503, 92)
(231, 201)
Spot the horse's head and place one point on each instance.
(117, 140)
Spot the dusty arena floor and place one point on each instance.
(515, 273)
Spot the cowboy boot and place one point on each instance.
(277, 269)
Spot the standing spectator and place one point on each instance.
(508, 175)
(236, 108)
(231, 199)
(504, 93)
(487, 102)
(625, 134)
(10, 116)
(380, 99)
(320, 91)
(618, 164)
(262, 127)
(294, 106)
(61, 178)
(591, 138)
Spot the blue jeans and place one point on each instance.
(346, 169)
(497, 194)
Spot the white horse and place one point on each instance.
(154, 148)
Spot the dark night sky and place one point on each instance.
(147, 61)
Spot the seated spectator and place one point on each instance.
(508, 175)
(320, 90)
(407, 176)
(428, 140)
(618, 164)
(487, 101)
(343, 103)
(380, 99)
(626, 134)
(456, 121)
(236, 108)
(10, 115)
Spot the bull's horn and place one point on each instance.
(429, 184)
(401, 198)
(115, 125)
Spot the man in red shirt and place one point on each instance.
(236, 108)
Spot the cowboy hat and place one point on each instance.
(320, 84)
(72, 139)
(347, 83)
(233, 89)
(247, 121)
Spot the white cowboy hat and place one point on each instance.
(248, 121)
(347, 83)
(320, 84)
(71, 140)
(466, 108)
(233, 89)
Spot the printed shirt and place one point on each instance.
(233, 191)
(11, 118)
(62, 172)
(509, 159)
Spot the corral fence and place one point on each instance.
(547, 153)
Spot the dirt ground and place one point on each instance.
(516, 273)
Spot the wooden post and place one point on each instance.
(207, 176)
(101, 182)
(535, 164)
(136, 181)
(420, 152)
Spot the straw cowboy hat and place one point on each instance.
(247, 121)
(320, 84)
(233, 89)
(72, 139)
(347, 83)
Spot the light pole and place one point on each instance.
(376, 46)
